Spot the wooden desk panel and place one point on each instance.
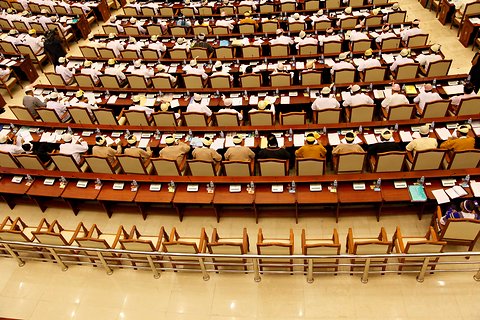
(264, 195)
(346, 194)
(182, 196)
(71, 191)
(390, 194)
(38, 189)
(144, 195)
(305, 196)
(7, 186)
(108, 194)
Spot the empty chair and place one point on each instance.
(228, 245)
(464, 159)
(327, 116)
(80, 115)
(203, 168)
(322, 246)
(438, 68)
(344, 76)
(226, 119)
(392, 161)
(369, 245)
(238, 168)
(352, 162)
(251, 80)
(195, 119)
(396, 17)
(275, 246)
(279, 50)
(281, 80)
(417, 244)
(373, 74)
(311, 77)
(167, 167)
(17, 230)
(417, 40)
(134, 165)
(406, 71)
(55, 79)
(101, 165)
(137, 118)
(310, 167)
(110, 81)
(251, 51)
(179, 244)
(10, 83)
(292, 118)
(427, 160)
(7, 160)
(273, 167)
(468, 106)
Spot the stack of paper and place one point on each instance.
(229, 142)
(440, 196)
(143, 143)
(333, 139)
(452, 90)
(249, 142)
(370, 138)
(218, 143)
(388, 58)
(298, 140)
(406, 136)
(237, 101)
(285, 100)
(475, 187)
(253, 100)
(345, 95)
(443, 133)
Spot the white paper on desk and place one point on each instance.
(229, 142)
(356, 141)
(475, 187)
(378, 94)
(150, 102)
(249, 142)
(416, 135)
(333, 139)
(271, 99)
(285, 100)
(38, 91)
(387, 92)
(49, 137)
(263, 142)
(300, 65)
(281, 141)
(298, 139)
(218, 143)
(112, 100)
(11, 63)
(253, 100)
(452, 90)
(370, 138)
(174, 103)
(345, 95)
(451, 193)
(357, 61)
(477, 131)
(443, 133)
(388, 58)
(130, 69)
(460, 191)
(373, 34)
(5, 61)
(329, 62)
(406, 136)
(440, 196)
(143, 143)
(25, 134)
(237, 101)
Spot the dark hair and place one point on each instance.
(468, 88)
(272, 141)
(249, 69)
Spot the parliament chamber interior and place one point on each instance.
(310, 159)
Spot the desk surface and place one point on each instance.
(390, 194)
(346, 194)
(182, 196)
(224, 196)
(108, 194)
(264, 195)
(7, 186)
(305, 196)
(144, 194)
(71, 191)
(41, 190)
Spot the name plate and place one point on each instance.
(192, 188)
(118, 185)
(400, 184)
(448, 182)
(235, 188)
(17, 179)
(146, 135)
(315, 187)
(87, 133)
(358, 186)
(82, 183)
(277, 188)
(155, 187)
(116, 134)
(49, 181)
(452, 125)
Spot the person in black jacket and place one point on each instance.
(273, 151)
(475, 72)
(385, 145)
(53, 46)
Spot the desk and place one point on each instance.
(145, 198)
(392, 195)
(447, 9)
(108, 197)
(346, 195)
(468, 31)
(183, 198)
(74, 195)
(23, 67)
(323, 198)
(223, 197)
(265, 197)
(39, 191)
(8, 190)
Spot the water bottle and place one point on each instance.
(469, 121)
(277, 92)
(13, 128)
(190, 135)
(98, 182)
(335, 184)
(371, 86)
(378, 184)
(334, 89)
(134, 184)
(322, 58)
(256, 133)
(432, 126)
(290, 134)
(421, 181)
(29, 178)
(324, 130)
(210, 61)
(157, 134)
(266, 61)
(127, 133)
(222, 135)
(69, 130)
(396, 126)
(380, 53)
(434, 83)
(293, 59)
(171, 185)
(466, 180)
(293, 187)
(360, 129)
(63, 180)
(217, 93)
(107, 94)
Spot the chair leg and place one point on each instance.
(9, 91)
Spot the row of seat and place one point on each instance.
(456, 231)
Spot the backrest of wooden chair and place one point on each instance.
(48, 115)
(154, 29)
(246, 28)
(205, 11)
(218, 245)
(392, 161)
(275, 246)
(220, 81)
(281, 79)
(105, 116)
(371, 21)
(166, 12)
(435, 109)
(187, 11)
(439, 68)
(469, 106)
(65, 162)
(166, 167)
(147, 11)
(109, 81)
(178, 53)
(178, 31)
(107, 29)
(279, 50)
(351, 162)
(361, 45)
(344, 76)
(193, 81)
(396, 17)
(106, 53)
(327, 116)
(293, 118)
(373, 74)
(164, 119)
(322, 25)
(315, 246)
(407, 71)
(471, 9)
(391, 43)
(296, 26)
(129, 54)
(195, 119)
(401, 112)
(251, 80)
(131, 164)
(99, 164)
(288, 6)
(136, 81)
(267, 8)
(417, 40)
(251, 51)
(89, 52)
(20, 26)
(201, 168)
(8, 47)
(428, 159)
(60, 10)
(460, 229)
(84, 80)
(313, 5)
(311, 77)
(241, 9)
(200, 29)
(226, 119)
(261, 118)
(361, 113)
(37, 27)
(80, 115)
(136, 118)
(465, 159)
(55, 79)
(237, 168)
(130, 11)
(131, 30)
(201, 53)
(310, 166)
(269, 26)
(224, 52)
(348, 22)
(150, 54)
(161, 82)
(22, 113)
(307, 49)
(332, 4)
(7, 160)
(273, 167)
(220, 30)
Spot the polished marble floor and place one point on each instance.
(42, 291)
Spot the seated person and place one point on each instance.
(281, 38)
(386, 34)
(426, 95)
(138, 105)
(357, 34)
(385, 145)
(227, 102)
(194, 68)
(132, 150)
(198, 105)
(248, 20)
(220, 71)
(165, 107)
(368, 61)
(21, 146)
(424, 142)
(395, 99)
(175, 150)
(102, 150)
(88, 70)
(468, 92)
(84, 102)
(305, 40)
(325, 101)
(273, 151)
(342, 63)
(347, 147)
(205, 153)
(401, 59)
(201, 43)
(461, 142)
(114, 71)
(357, 97)
(412, 31)
(75, 149)
(312, 149)
(425, 59)
(142, 70)
(264, 105)
(157, 45)
(162, 71)
(58, 106)
(468, 210)
(66, 73)
(116, 45)
(239, 152)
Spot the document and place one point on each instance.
(417, 193)
(229, 142)
(218, 143)
(253, 100)
(345, 95)
(370, 138)
(143, 143)
(389, 59)
(452, 90)
(112, 100)
(475, 187)
(298, 140)
(249, 142)
(237, 101)
(440, 196)
(333, 139)
(443, 133)
(285, 100)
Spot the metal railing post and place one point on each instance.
(256, 270)
(365, 271)
(206, 277)
(14, 255)
(310, 271)
(104, 263)
(57, 258)
(421, 275)
(156, 275)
